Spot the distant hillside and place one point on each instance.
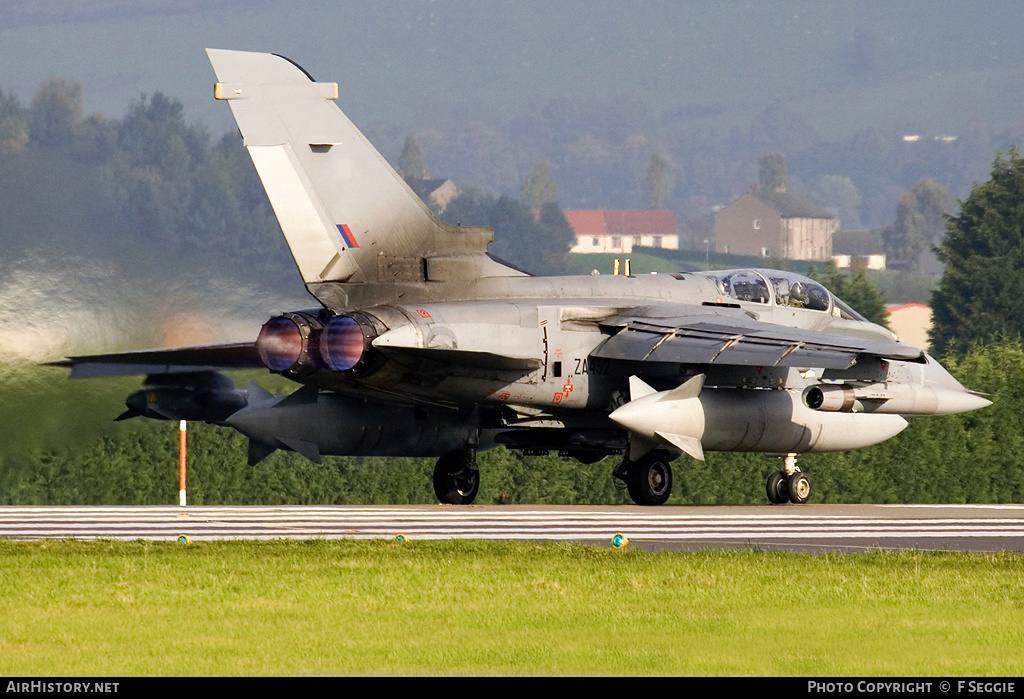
(933, 67)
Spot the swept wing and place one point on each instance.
(735, 338)
(179, 360)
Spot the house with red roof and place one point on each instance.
(621, 230)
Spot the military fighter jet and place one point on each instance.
(423, 344)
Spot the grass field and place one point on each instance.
(468, 608)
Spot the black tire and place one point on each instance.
(799, 487)
(649, 480)
(777, 488)
(456, 479)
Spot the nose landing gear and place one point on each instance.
(791, 485)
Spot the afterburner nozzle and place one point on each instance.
(283, 342)
(299, 343)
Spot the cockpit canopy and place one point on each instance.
(786, 289)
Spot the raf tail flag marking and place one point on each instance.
(346, 234)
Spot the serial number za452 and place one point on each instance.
(591, 365)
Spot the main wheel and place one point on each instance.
(649, 480)
(799, 487)
(778, 488)
(456, 479)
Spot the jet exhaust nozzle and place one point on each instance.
(345, 343)
(287, 343)
(299, 343)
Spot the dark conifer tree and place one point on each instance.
(981, 295)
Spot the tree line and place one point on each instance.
(156, 192)
(151, 188)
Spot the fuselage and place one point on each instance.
(529, 341)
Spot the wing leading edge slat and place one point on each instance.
(740, 342)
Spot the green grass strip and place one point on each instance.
(473, 608)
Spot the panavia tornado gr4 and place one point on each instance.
(425, 345)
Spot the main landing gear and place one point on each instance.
(648, 479)
(791, 485)
(457, 478)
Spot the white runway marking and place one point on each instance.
(852, 526)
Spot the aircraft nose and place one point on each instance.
(953, 397)
(963, 401)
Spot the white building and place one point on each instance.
(619, 231)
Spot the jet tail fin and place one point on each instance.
(346, 214)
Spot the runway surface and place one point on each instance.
(814, 528)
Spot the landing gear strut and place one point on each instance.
(457, 478)
(791, 485)
(648, 479)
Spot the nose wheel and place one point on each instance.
(778, 491)
(791, 485)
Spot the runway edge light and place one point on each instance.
(619, 541)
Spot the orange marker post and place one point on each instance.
(181, 463)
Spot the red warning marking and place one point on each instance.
(557, 399)
(423, 314)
